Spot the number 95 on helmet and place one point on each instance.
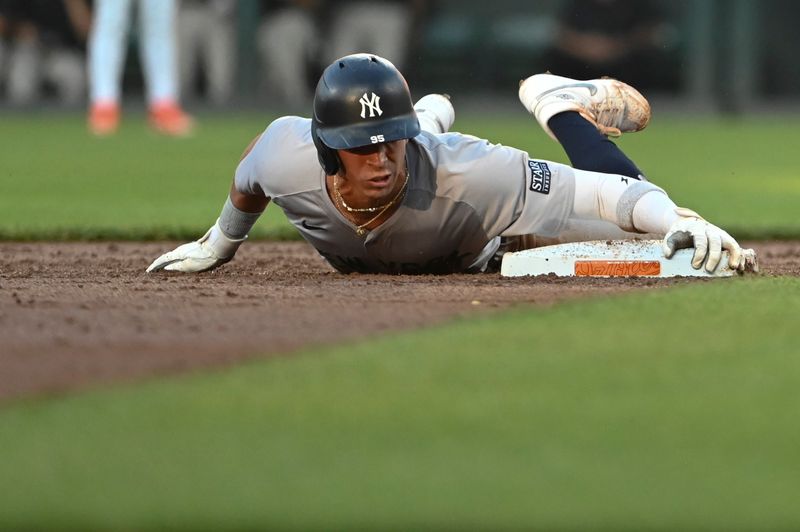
(361, 99)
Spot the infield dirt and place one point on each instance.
(81, 314)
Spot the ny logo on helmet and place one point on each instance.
(374, 104)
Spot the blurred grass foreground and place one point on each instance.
(620, 414)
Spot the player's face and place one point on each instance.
(375, 171)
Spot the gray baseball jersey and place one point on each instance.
(463, 194)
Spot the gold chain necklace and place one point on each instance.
(347, 207)
(361, 229)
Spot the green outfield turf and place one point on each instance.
(57, 182)
(670, 410)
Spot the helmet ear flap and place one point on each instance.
(328, 157)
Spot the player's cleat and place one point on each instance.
(103, 118)
(169, 119)
(612, 106)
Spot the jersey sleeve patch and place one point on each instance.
(540, 177)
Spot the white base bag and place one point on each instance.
(613, 258)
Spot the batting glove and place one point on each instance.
(212, 250)
(708, 241)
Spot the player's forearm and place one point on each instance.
(240, 213)
(632, 205)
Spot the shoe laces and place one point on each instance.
(610, 110)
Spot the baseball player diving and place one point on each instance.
(378, 185)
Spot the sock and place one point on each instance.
(588, 149)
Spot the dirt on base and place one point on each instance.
(79, 314)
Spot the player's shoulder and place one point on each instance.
(295, 128)
(467, 155)
(284, 159)
(459, 146)
(285, 141)
(443, 141)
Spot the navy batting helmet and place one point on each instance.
(361, 99)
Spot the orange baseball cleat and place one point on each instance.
(169, 119)
(103, 118)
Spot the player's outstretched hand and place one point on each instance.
(212, 250)
(708, 241)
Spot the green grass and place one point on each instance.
(670, 410)
(60, 183)
(57, 182)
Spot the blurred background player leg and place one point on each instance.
(3, 51)
(381, 27)
(287, 43)
(65, 26)
(107, 48)
(65, 69)
(46, 41)
(207, 47)
(24, 66)
(157, 49)
(108, 42)
(191, 27)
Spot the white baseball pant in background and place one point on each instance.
(108, 43)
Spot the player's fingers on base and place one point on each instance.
(749, 260)
(735, 258)
(666, 248)
(700, 250)
(675, 241)
(714, 251)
